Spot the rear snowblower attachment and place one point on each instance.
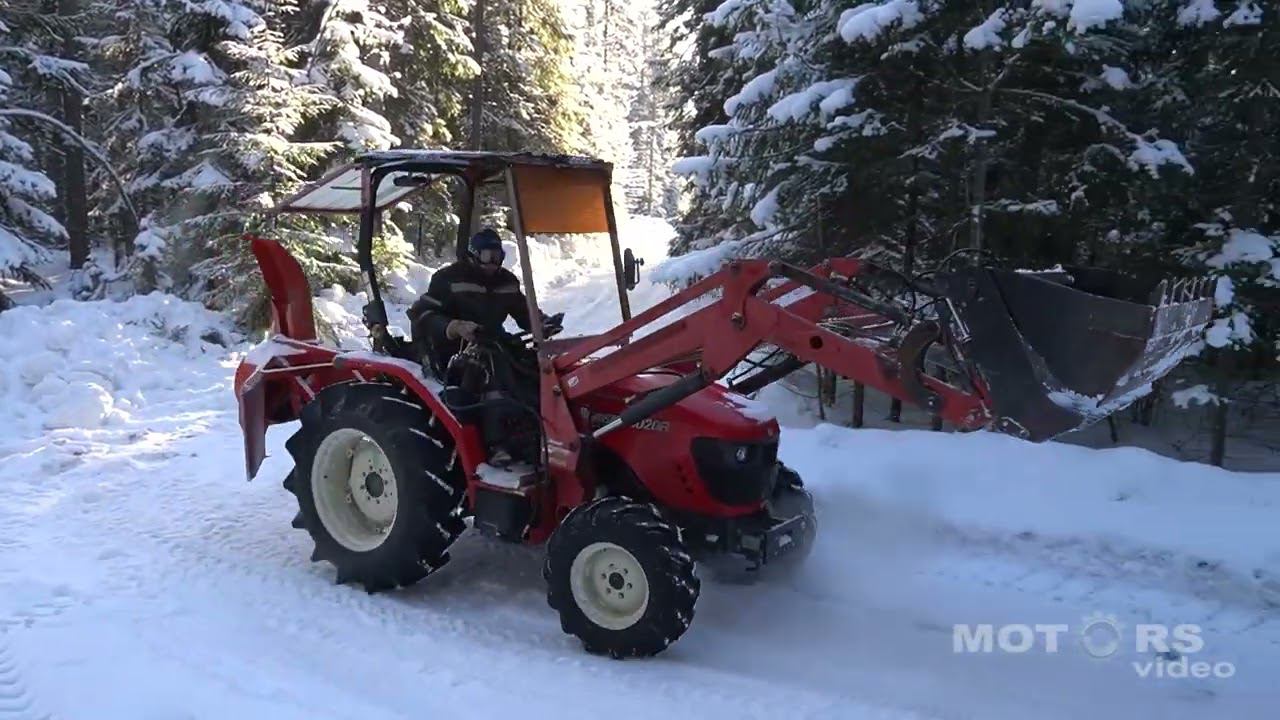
(1062, 349)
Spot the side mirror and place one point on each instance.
(631, 269)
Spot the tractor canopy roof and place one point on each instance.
(556, 193)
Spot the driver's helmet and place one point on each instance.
(485, 248)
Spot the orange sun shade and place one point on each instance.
(562, 200)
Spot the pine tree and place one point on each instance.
(698, 80)
(143, 131)
(523, 48)
(917, 128)
(350, 55)
(607, 68)
(28, 226)
(212, 99)
(651, 188)
(252, 160)
(429, 109)
(1224, 86)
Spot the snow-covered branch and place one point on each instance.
(88, 146)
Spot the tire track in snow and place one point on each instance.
(16, 701)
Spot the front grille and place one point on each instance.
(735, 482)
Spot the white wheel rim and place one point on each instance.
(354, 489)
(609, 585)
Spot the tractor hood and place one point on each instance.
(712, 411)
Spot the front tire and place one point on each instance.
(378, 488)
(621, 579)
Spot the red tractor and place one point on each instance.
(644, 462)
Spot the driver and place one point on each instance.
(473, 293)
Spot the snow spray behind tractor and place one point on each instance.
(642, 460)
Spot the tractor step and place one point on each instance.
(505, 500)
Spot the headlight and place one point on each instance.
(742, 453)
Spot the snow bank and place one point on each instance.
(92, 364)
(1122, 502)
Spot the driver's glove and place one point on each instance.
(464, 329)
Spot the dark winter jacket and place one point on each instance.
(462, 291)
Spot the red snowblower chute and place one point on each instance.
(639, 460)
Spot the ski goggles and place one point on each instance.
(490, 256)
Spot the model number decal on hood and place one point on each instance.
(599, 420)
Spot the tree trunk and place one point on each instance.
(476, 137)
(605, 48)
(822, 396)
(1218, 449)
(978, 197)
(75, 189)
(914, 131)
(75, 193)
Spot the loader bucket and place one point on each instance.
(1061, 349)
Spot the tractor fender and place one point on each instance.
(273, 382)
(428, 390)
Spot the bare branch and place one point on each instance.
(1104, 118)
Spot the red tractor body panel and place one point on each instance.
(658, 450)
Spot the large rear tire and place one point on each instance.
(619, 575)
(378, 485)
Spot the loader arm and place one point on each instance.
(721, 335)
(726, 331)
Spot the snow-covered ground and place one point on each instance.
(141, 577)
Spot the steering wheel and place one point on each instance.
(552, 325)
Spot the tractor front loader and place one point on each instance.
(648, 460)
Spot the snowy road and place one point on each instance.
(141, 577)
